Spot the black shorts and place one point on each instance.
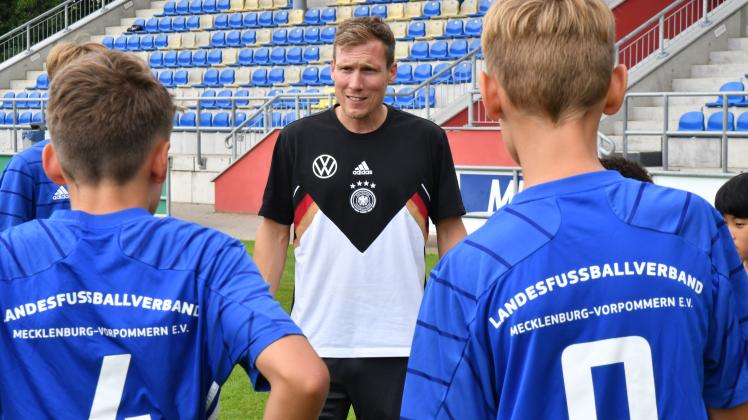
(373, 385)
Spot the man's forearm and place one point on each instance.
(270, 252)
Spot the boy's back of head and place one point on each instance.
(64, 53)
(106, 112)
(552, 57)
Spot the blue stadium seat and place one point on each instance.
(249, 37)
(133, 43)
(183, 7)
(327, 34)
(432, 9)
(146, 43)
(208, 99)
(265, 19)
(187, 119)
(278, 56)
(210, 79)
(215, 57)
(295, 36)
(218, 39)
(200, 58)
(742, 124)
(311, 34)
(223, 5)
(289, 117)
(277, 76)
(170, 8)
(25, 118)
(446, 77)
(206, 119)
(249, 20)
(193, 23)
(483, 6)
(156, 60)
(291, 102)
(463, 73)
(311, 17)
(453, 29)
(221, 22)
(419, 51)
(272, 94)
(120, 43)
(328, 15)
(2, 117)
(406, 101)
(280, 17)
(221, 119)
(280, 36)
(166, 77)
(379, 10)
(473, 27)
(260, 77)
(294, 55)
(404, 74)
(715, 122)
(139, 22)
(223, 99)
(310, 76)
(210, 6)
(151, 25)
(242, 93)
(42, 82)
(108, 42)
(691, 121)
(181, 78)
(475, 45)
(438, 50)
(421, 100)
(35, 104)
(277, 119)
(179, 24)
(184, 58)
(422, 72)
(244, 57)
(388, 98)
(262, 56)
(164, 24)
(9, 117)
(309, 101)
(325, 77)
(196, 7)
(361, 11)
(257, 121)
(311, 54)
(236, 21)
(161, 41)
(732, 100)
(170, 59)
(416, 29)
(37, 118)
(227, 77)
(234, 39)
(240, 118)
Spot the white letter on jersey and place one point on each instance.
(634, 352)
(110, 387)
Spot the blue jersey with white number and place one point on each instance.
(126, 315)
(25, 191)
(589, 297)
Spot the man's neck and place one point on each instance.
(363, 125)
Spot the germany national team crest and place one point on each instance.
(363, 199)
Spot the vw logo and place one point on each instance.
(324, 166)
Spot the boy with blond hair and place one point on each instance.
(109, 312)
(590, 295)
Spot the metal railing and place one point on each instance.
(665, 133)
(653, 36)
(55, 20)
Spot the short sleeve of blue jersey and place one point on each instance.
(242, 317)
(16, 194)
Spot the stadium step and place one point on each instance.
(737, 44)
(732, 70)
(146, 13)
(728, 57)
(701, 84)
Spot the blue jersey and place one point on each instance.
(25, 191)
(126, 314)
(590, 297)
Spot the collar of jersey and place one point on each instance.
(101, 220)
(570, 185)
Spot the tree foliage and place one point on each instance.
(14, 13)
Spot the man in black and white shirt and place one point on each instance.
(359, 183)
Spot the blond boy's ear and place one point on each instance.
(160, 162)
(489, 90)
(616, 90)
(51, 165)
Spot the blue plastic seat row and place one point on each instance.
(472, 29)
(278, 56)
(250, 20)
(299, 36)
(195, 7)
(441, 50)
(24, 104)
(407, 74)
(694, 121)
(147, 42)
(42, 82)
(23, 118)
(292, 102)
(412, 100)
(168, 24)
(732, 100)
(211, 99)
(223, 119)
(314, 76)
(375, 10)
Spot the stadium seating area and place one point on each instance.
(218, 50)
(697, 121)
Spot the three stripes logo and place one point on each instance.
(324, 166)
(61, 194)
(363, 169)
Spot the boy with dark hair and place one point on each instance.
(732, 202)
(109, 312)
(590, 295)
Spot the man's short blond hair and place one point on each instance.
(106, 113)
(360, 30)
(552, 57)
(65, 52)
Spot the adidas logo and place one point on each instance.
(362, 169)
(61, 194)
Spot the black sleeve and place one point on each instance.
(447, 201)
(277, 201)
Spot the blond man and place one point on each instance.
(590, 295)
